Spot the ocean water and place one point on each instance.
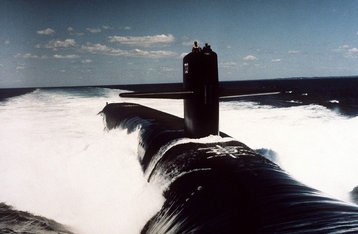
(57, 159)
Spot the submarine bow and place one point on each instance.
(219, 185)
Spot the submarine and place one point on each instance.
(212, 182)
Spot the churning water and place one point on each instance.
(57, 160)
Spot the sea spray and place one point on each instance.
(57, 161)
(314, 144)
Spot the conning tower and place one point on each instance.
(201, 92)
(200, 75)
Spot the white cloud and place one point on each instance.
(55, 44)
(151, 54)
(127, 28)
(68, 56)
(353, 50)
(106, 27)
(276, 60)
(30, 56)
(344, 47)
(72, 31)
(6, 42)
(86, 61)
(347, 51)
(20, 67)
(94, 30)
(105, 50)
(227, 64)
(351, 53)
(142, 40)
(47, 31)
(249, 58)
(102, 49)
(294, 51)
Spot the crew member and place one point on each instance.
(196, 47)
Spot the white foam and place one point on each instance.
(315, 145)
(57, 161)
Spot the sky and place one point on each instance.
(101, 42)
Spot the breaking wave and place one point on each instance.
(60, 163)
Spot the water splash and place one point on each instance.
(315, 145)
(59, 162)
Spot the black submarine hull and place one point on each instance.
(219, 185)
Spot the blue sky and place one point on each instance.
(56, 43)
